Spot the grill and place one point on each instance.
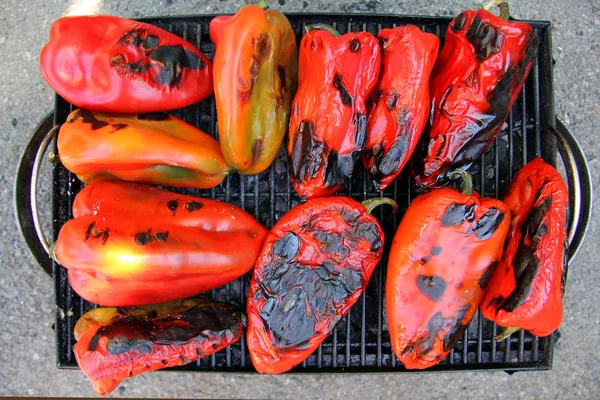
(360, 342)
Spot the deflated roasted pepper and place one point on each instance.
(314, 265)
(329, 119)
(131, 244)
(255, 78)
(442, 258)
(401, 107)
(152, 148)
(526, 290)
(476, 79)
(117, 343)
(112, 64)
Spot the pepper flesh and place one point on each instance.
(476, 79)
(112, 64)
(255, 76)
(154, 148)
(399, 113)
(118, 343)
(314, 265)
(329, 118)
(526, 290)
(131, 244)
(442, 256)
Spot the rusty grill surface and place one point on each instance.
(360, 342)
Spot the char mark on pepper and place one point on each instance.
(354, 45)
(88, 118)
(172, 205)
(262, 49)
(193, 205)
(346, 97)
(173, 60)
(485, 227)
(432, 286)
(456, 214)
(307, 152)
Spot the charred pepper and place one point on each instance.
(154, 148)
(255, 76)
(132, 244)
(118, 343)
(329, 119)
(112, 64)
(526, 290)
(476, 79)
(441, 260)
(314, 265)
(400, 108)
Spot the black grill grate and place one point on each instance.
(360, 343)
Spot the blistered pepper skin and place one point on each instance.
(442, 257)
(314, 265)
(328, 125)
(154, 148)
(255, 77)
(400, 109)
(132, 244)
(118, 343)
(476, 79)
(526, 290)
(112, 64)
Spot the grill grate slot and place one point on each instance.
(360, 342)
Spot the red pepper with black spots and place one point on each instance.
(526, 290)
(336, 75)
(441, 260)
(112, 64)
(131, 244)
(314, 265)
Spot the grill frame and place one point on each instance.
(526, 137)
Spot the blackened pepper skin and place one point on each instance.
(118, 343)
(477, 77)
(526, 290)
(441, 258)
(336, 75)
(314, 265)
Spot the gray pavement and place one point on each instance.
(27, 361)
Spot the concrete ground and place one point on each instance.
(27, 360)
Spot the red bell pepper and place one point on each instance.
(112, 64)
(476, 79)
(399, 113)
(133, 244)
(336, 74)
(527, 288)
(442, 257)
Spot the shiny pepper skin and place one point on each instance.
(132, 244)
(154, 148)
(400, 109)
(329, 118)
(526, 290)
(477, 77)
(255, 75)
(442, 257)
(112, 64)
(314, 265)
(118, 343)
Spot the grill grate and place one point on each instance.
(360, 342)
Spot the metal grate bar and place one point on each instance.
(363, 336)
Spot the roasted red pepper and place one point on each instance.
(336, 74)
(526, 291)
(256, 63)
(133, 244)
(117, 343)
(112, 64)
(401, 106)
(314, 265)
(442, 257)
(476, 79)
(154, 148)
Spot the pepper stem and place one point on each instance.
(467, 182)
(263, 4)
(379, 201)
(506, 333)
(323, 27)
(502, 5)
